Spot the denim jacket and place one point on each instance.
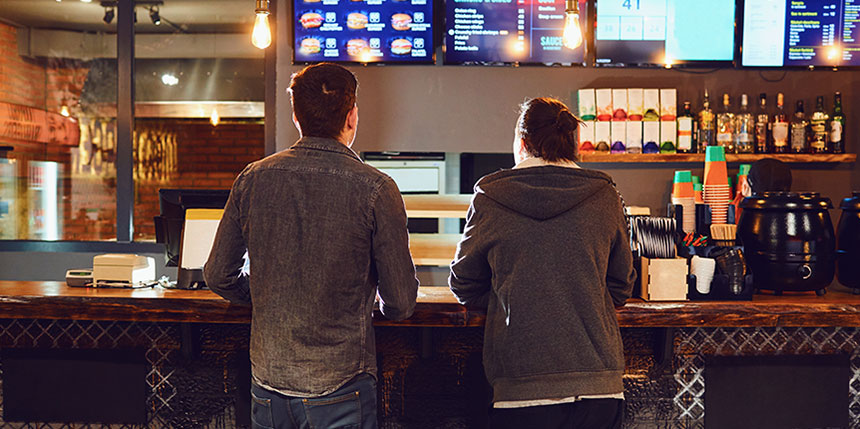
(325, 234)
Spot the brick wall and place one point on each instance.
(22, 80)
(208, 158)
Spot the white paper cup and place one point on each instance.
(703, 269)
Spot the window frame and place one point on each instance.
(124, 242)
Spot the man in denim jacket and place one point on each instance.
(325, 235)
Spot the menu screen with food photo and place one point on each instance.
(510, 31)
(363, 31)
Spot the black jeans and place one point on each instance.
(585, 414)
(351, 406)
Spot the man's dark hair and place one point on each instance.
(769, 175)
(322, 96)
(548, 130)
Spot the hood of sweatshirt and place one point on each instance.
(542, 192)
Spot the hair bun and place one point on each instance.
(565, 121)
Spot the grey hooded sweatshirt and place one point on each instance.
(546, 250)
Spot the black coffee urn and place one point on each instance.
(848, 240)
(788, 241)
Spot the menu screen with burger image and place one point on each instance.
(363, 31)
(509, 31)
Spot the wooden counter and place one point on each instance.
(436, 307)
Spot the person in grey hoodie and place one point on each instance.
(546, 251)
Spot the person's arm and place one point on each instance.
(620, 274)
(397, 285)
(470, 277)
(223, 270)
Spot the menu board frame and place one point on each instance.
(676, 63)
(434, 5)
(588, 45)
(741, 7)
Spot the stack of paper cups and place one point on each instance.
(703, 269)
(743, 172)
(697, 190)
(684, 195)
(716, 190)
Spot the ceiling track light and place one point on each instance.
(154, 15)
(109, 15)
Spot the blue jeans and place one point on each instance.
(353, 406)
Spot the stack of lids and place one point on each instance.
(697, 190)
(716, 191)
(683, 194)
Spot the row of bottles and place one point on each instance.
(763, 131)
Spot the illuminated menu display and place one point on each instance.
(363, 30)
(664, 31)
(801, 33)
(509, 31)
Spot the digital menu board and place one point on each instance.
(509, 31)
(365, 31)
(779, 33)
(644, 32)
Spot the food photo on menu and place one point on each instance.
(363, 31)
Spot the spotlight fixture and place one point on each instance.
(154, 16)
(262, 35)
(109, 15)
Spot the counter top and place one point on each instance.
(436, 307)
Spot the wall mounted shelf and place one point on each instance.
(700, 157)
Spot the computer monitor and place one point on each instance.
(810, 33)
(511, 32)
(169, 224)
(661, 32)
(368, 32)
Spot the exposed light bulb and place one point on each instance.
(262, 35)
(668, 62)
(64, 110)
(833, 52)
(214, 118)
(572, 35)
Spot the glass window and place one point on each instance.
(57, 122)
(199, 100)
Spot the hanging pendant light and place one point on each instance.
(572, 35)
(262, 35)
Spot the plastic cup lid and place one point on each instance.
(683, 176)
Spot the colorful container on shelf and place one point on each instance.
(716, 189)
(683, 194)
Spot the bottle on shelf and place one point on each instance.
(818, 128)
(779, 127)
(707, 126)
(837, 126)
(762, 126)
(686, 130)
(744, 128)
(799, 130)
(726, 126)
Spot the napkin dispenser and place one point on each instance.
(123, 269)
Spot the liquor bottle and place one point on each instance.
(779, 128)
(799, 130)
(818, 128)
(762, 125)
(707, 130)
(837, 126)
(744, 128)
(726, 126)
(686, 130)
